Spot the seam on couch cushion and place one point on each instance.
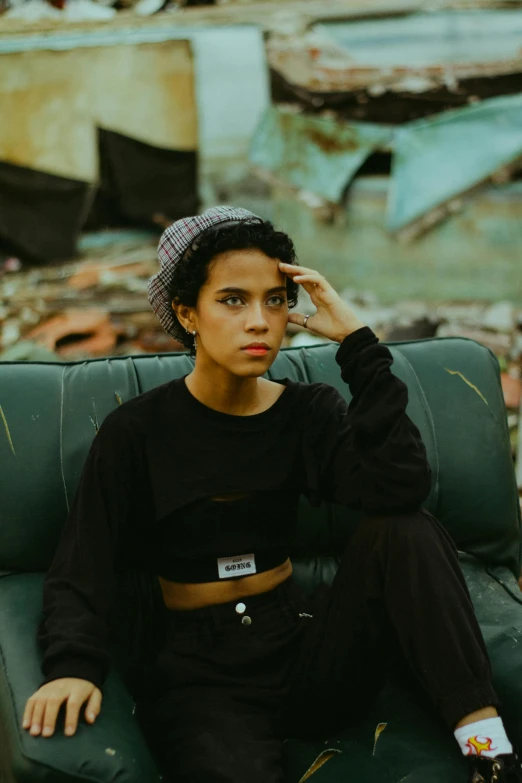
(61, 439)
(427, 411)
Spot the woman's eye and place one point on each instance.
(280, 300)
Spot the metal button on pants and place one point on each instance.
(240, 608)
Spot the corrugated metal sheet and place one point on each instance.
(319, 154)
(434, 161)
(440, 158)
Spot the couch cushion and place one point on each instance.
(112, 749)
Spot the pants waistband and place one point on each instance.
(283, 600)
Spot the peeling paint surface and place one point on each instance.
(7, 430)
(434, 166)
(471, 385)
(55, 101)
(321, 759)
(378, 731)
(95, 420)
(219, 80)
(434, 161)
(320, 154)
(410, 53)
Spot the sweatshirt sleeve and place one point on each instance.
(73, 630)
(368, 454)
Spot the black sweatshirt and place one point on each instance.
(142, 500)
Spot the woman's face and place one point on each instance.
(243, 301)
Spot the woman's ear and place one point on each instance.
(183, 314)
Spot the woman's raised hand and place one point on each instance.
(334, 319)
(42, 707)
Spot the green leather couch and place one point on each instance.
(48, 417)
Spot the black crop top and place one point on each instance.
(144, 500)
(209, 540)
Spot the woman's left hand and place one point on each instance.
(334, 319)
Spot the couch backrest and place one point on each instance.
(49, 414)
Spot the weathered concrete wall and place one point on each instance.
(52, 101)
(227, 73)
(473, 254)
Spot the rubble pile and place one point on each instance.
(94, 307)
(87, 10)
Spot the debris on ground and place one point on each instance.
(96, 306)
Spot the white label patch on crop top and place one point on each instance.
(233, 566)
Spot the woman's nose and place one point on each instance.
(257, 317)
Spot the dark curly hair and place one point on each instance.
(191, 271)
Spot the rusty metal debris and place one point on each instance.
(89, 331)
(416, 86)
(437, 152)
(409, 54)
(433, 165)
(318, 154)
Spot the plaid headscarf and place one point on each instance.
(173, 243)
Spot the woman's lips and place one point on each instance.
(256, 351)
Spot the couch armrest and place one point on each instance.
(113, 749)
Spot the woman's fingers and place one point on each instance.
(92, 710)
(310, 279)
(28, 713)
(319, 289)
(299, 319)
(297, 273)
(38, 713)
(296, 269)
(42, 708)
(72, 712)
(52, 708)
(334, 319)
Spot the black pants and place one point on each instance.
(224, 692)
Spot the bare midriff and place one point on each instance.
(184, 595)
(180, 595)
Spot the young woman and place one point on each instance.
(199, 479)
